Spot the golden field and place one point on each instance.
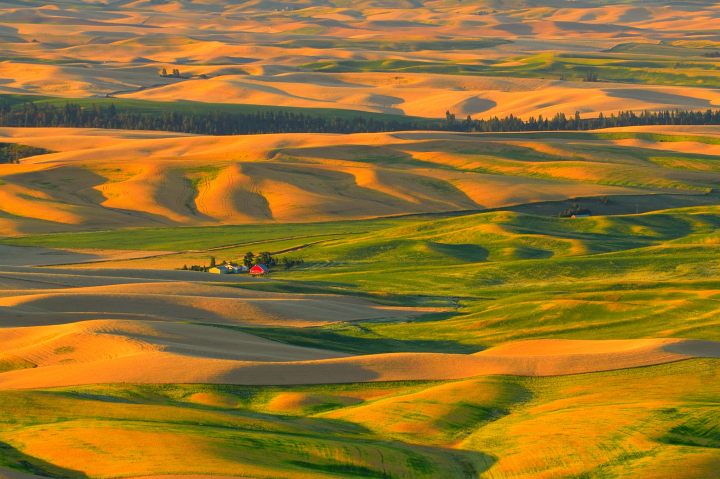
(107, 179)
(446, 304)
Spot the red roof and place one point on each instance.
(259, 269)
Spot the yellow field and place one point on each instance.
(445, 305)
(107, 179)
(241, 54)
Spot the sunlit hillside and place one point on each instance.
(309, 239)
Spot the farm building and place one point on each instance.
(259, 270)
(222, 269)
(229, 268)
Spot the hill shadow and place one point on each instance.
(351, 289)
(353, 338)
(464, 252)
(21, 462)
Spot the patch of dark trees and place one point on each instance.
(174, 74)
(267, 259)
(712, 54)
(562, 122)
(285, 121)
(574, 210)
(13, 153)
(251, 259)
(203, 123)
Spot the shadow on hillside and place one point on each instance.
(20, 461)
(350, 289)
(463, 252)
(355, 339)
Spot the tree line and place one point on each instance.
(204, 123)
(267, 259)
(281, 121)
(13, 152)
(561, 122)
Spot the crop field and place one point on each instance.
(322, 239)
(84, 179)
(643, 422)
(498, 271)
(624, 64)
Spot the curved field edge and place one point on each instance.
(109, 179)
(642, 421)
(499, 276)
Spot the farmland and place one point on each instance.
(489, 235)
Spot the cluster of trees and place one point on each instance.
(590, 76)
(270, 261)
(13, 153)
(251, 259)
(713, 54)
(561, 122)
(575, 209)
(265, 258)
(175, 73)
(282, 121)
(196, 267)
(203, 123)
(210, 123)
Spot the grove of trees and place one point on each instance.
(13, 152)
(31, 114)
(74, 115)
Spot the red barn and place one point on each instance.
(259, 270)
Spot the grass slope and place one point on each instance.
(644, 422)
(110, 179)
(501, 276)
(678, 66)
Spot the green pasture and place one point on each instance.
(496, 276)
(462, 429)
(654, 65)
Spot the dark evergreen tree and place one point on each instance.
(266, 259)
(249, 259)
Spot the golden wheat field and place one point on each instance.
(309, 239)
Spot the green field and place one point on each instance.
(496, 276)
(497, 272)
(659, 270)
(201, 238)
(384, 45)
(630, 63)
(497, 288)
(642, 422)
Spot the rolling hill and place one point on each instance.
(444, 305)
(100, 179)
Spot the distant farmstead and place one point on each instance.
(229, 268)
(259, 270)
(220, 270)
